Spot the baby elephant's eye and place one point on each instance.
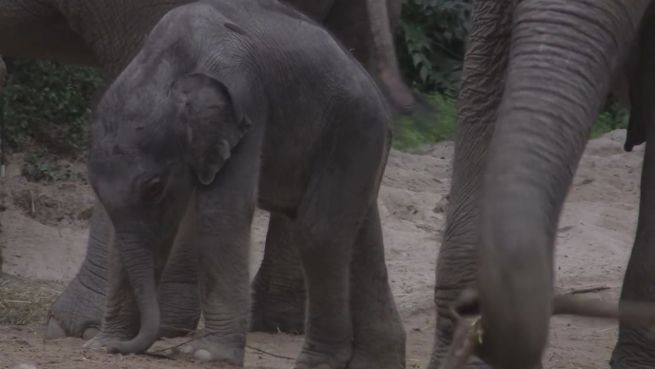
(153, 188)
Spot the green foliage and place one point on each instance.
(411, 132)
(47, 104)
(41, 166)
(613, 117)
(431, 42)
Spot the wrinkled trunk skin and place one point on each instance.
(557, 79)
(479, 96)
(279, 286)
(137, 262)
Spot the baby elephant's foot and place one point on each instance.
(324, 356)
(208, 347)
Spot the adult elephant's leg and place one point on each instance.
(79, 309)
(279, 286)
(379, 336)
(480, 94)
(636, 346)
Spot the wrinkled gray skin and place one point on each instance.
(107, 33)
(536, 75)
(220, 112)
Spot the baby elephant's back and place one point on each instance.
(293, 51)
(320, 99)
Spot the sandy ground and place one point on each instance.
(44, 232)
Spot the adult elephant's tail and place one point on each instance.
(561, 61)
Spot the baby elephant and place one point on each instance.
(230, 105)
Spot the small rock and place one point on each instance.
(25, 366)
(85, 214)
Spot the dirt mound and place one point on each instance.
(44, 237)
(43, 224)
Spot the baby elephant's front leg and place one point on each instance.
(224, 291)
(224, 215)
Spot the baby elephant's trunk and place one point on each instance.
(138, 262)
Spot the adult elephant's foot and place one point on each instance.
(208, 347)
(279, 286)
(321, 355)
(76, 312)
(635, 349)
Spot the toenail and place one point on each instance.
(203, 355)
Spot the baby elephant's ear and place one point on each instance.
(213, 123)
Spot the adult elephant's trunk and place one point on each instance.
(385, 55)
(138, 262)
(562, 57)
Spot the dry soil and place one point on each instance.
(44, 232)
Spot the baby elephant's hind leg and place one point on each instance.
(379, 336)
(279, 287)
(328, 220)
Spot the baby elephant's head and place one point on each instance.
(153, 144)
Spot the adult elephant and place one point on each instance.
(106, 33)
(535, 77)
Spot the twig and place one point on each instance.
(159, 356)
(588, 290)
(632, 313)
(165, 349)
(269, 353)
(32, 205)
(161, 352)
